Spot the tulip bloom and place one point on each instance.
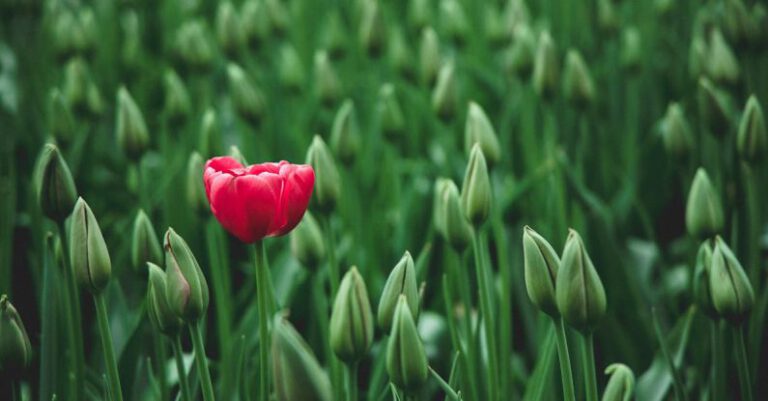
(261, 200)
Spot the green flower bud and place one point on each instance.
(335, 36)
(752, 139)
(541, 266)
(145, 247)
(279, 19)
(714, 108)
(327, 178)
(439, 204)
(290, 69)
(578, 85)
(88, 251)
(193, 45)
(399, 54)
(372, 33)
(390, 113)
(721, 65)
(607, 19)
(228, 29)
(254, 22)
(519, 57)
(479, 130)
(131, 51)
(703, 212)
(15, 348)
(516, 13)
(702, 294)
(697, 56)
(445, 94)
(178, 105)
(732, 292)
(401, 281)
(476, 191)
(195, 190)
(80, 92)
(419, 13)
(351, 325)
(545, 70)
(407, 364)
(496, 31)
(210, 136)
(56, 192)
(631, 49)
(676, 132)
(578, 289)
(132, 133)
(457, 230)
(736, 21)
(159, 311)
(247, 97)
(307, 243)
(621, 384)
(235, 153)
(345, 136)
(296, 373)
(327, 84)
(453, 20)
(66, 33)
(186, 288)
(61, 123)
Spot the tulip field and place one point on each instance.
(370, 200)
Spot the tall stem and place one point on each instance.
(714, 385)
(202, 361)
(73, 319)
(449, 391)
(262, 284)
(109, 351)
(590, 378)
(330, 245)
(161, 355)
(352, 394)
(488, 316)
(743, 366)
(565, 360)
(179, 356)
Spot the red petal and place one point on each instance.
(298, 182)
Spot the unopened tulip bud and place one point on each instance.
(193, 45)
(80, 93)
(607, 19)
(351, 325)
(186, 288)
(703, 212)
(697, 56)
(327, 179)
(15, 348)
(752, 140)
(458, 231)
(235, 153)
(407, 364)
(702, 293)
(345, 136)
(210, 136)
(279, 18)
(401, 281)
(736, 21)
(541, 265)
(228, 30)
(178, 105)
(676, 132)
(390, 113)
(334, 38)
(453, 20)
(145, 246)
(631, 49)
(254, 22)
(195, 190)
(296, 372)
(732, 292)
(621, 384)
(722, 65)
(445, 93)
(545, 67)
(131, 51)
(372, 34)
(61, 123)
(327, 84)
(291, 71)
(56, 193)
(247, 97)
(519, 59)
(132, 133)
(438, 204)
(419, 13)
(158, 310)
(88, 251)
(714, 108)
(399, 54)
(479, 130)
(578, 85)
(476, 190)
(579, 292)
(307, 243)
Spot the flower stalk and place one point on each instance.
(109, 351)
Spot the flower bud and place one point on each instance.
(607, 19)
(61, 123)
(621, 384)
(476, 191)
(372, 32)
(631, 49)
(401, 281)
(736, 21)
(334, 38)
(131, 53)
(279, 18)
(247, 97)
(390, 112)
(445, 95)
(578, 289)
(15, 348)
(351, 325)
(158, 310)
(80, 92)
(541, 265)
(438, 204)
(399, 54)
(419, 13)
(345, 136)
(453, 20)
(132, 133)
(479, 130)
(327, 84)
(291, 71)
(296, 373)
(732, 292)
(702, 294)
(228, 28)
(407, 364)
(254, 22)
(88, 252)
(193, 46)
(195, 190)
(714, 108)
(145, 246)
(703, 212)
(327, 178)
(721, 65)
(676, 132)
(545, 70)
(752, 139)
(235, 153)
(519, 58)
(578, 85)
(186, 288)
(210, 136)
(697, 56)
(178, 105)
(56, 192)
(307, 242)
(457, 230)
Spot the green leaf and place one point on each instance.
(540, 380)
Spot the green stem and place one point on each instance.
(73, 320)
(106, 344)
(15, 390)
(179, 356)
(743, 366)
(486, 310)
(590, 378)
(713, 385)
(566, 372)
(676, 380)
(330, 245)
(202, 361)
(222, 290)
(262, 283)
(352, 394)
(161, 355)
(444, 385)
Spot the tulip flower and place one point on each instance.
(401, 281)
(406, 358)
(56, 190)
(15, 349)
(704, 211)
(145, 246)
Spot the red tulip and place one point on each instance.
(261, 200)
